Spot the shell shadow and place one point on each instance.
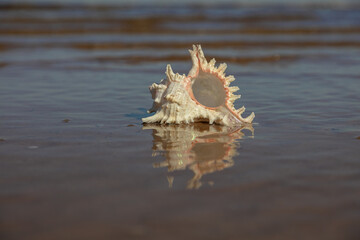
(200, 147)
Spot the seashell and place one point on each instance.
(204, 95)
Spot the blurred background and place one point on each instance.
(77, 163)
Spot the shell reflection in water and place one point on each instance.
(200, 147)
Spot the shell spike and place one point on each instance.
(234, 97)
(240, 110)
(250, 118)
(201, 57)
(234, 89)
(169, 73)
(195, 62)
(229, 79)
(222, 67)
(154, 118)
(194, 48)
(201, 53)
(212, 63)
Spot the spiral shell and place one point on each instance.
(204, 95)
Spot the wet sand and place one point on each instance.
(76, 162)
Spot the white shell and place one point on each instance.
(203, 95)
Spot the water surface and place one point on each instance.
(76, 162)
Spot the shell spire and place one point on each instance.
(204, 95)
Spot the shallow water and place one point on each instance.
(76, 162)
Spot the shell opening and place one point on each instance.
(208, 90)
